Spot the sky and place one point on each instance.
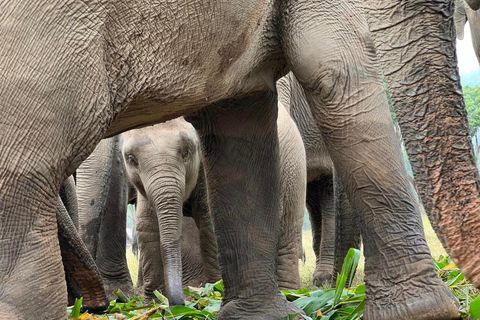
(467, 61)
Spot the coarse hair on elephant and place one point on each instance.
(103, 194)
(165, 164)
(74, 72)
(335, 226)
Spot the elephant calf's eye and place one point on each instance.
(185, 153)
(132, 160)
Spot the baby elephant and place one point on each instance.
(164, 163)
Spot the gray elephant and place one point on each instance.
(335, 226)
(463, 13)
(74, 72)
(103, 193)
(165, 164)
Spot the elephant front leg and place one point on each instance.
(150, 261)
(30, 260)
(208, 242)
(324, 272)
(347, 227)
(333, 58)
(241, 151)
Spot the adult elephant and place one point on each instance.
(335, 226)
(103, 194)
(75, 72)
(463, 13)
(428, 101)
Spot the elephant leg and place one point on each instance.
(83, 276)
(111, 257)
(332, 56)
(30, 259)
(240, 140)
(347, 230)
(149, 248)
(325, 260)
(139, 286)
(208, 242)
(291, 221)
(68, 194)
(290, 247)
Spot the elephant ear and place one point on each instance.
(460, 18)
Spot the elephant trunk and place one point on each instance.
(166, 192)
(415, 43)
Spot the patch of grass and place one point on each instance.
(434, 244)
(132, 263)
(307, 268)
(320, 304)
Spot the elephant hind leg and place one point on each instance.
(321, 203)
(333, 57)
(347, 227)
(238, 135)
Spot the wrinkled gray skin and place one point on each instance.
(81, 274)
(103, 193)
(74, 72)
(293, 179)
(335, 227)
(164, 164)
(464, 13)
(68, 194)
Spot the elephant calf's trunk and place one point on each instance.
(168, 203)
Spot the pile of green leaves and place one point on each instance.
(468, 297)
(340, 303)
(202, 303)
(334, 303)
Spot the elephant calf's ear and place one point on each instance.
(460, 18)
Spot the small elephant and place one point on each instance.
(164, 162)
(335, 226)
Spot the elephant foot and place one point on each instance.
(321, 279)
(258, 309)
(428, 302)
